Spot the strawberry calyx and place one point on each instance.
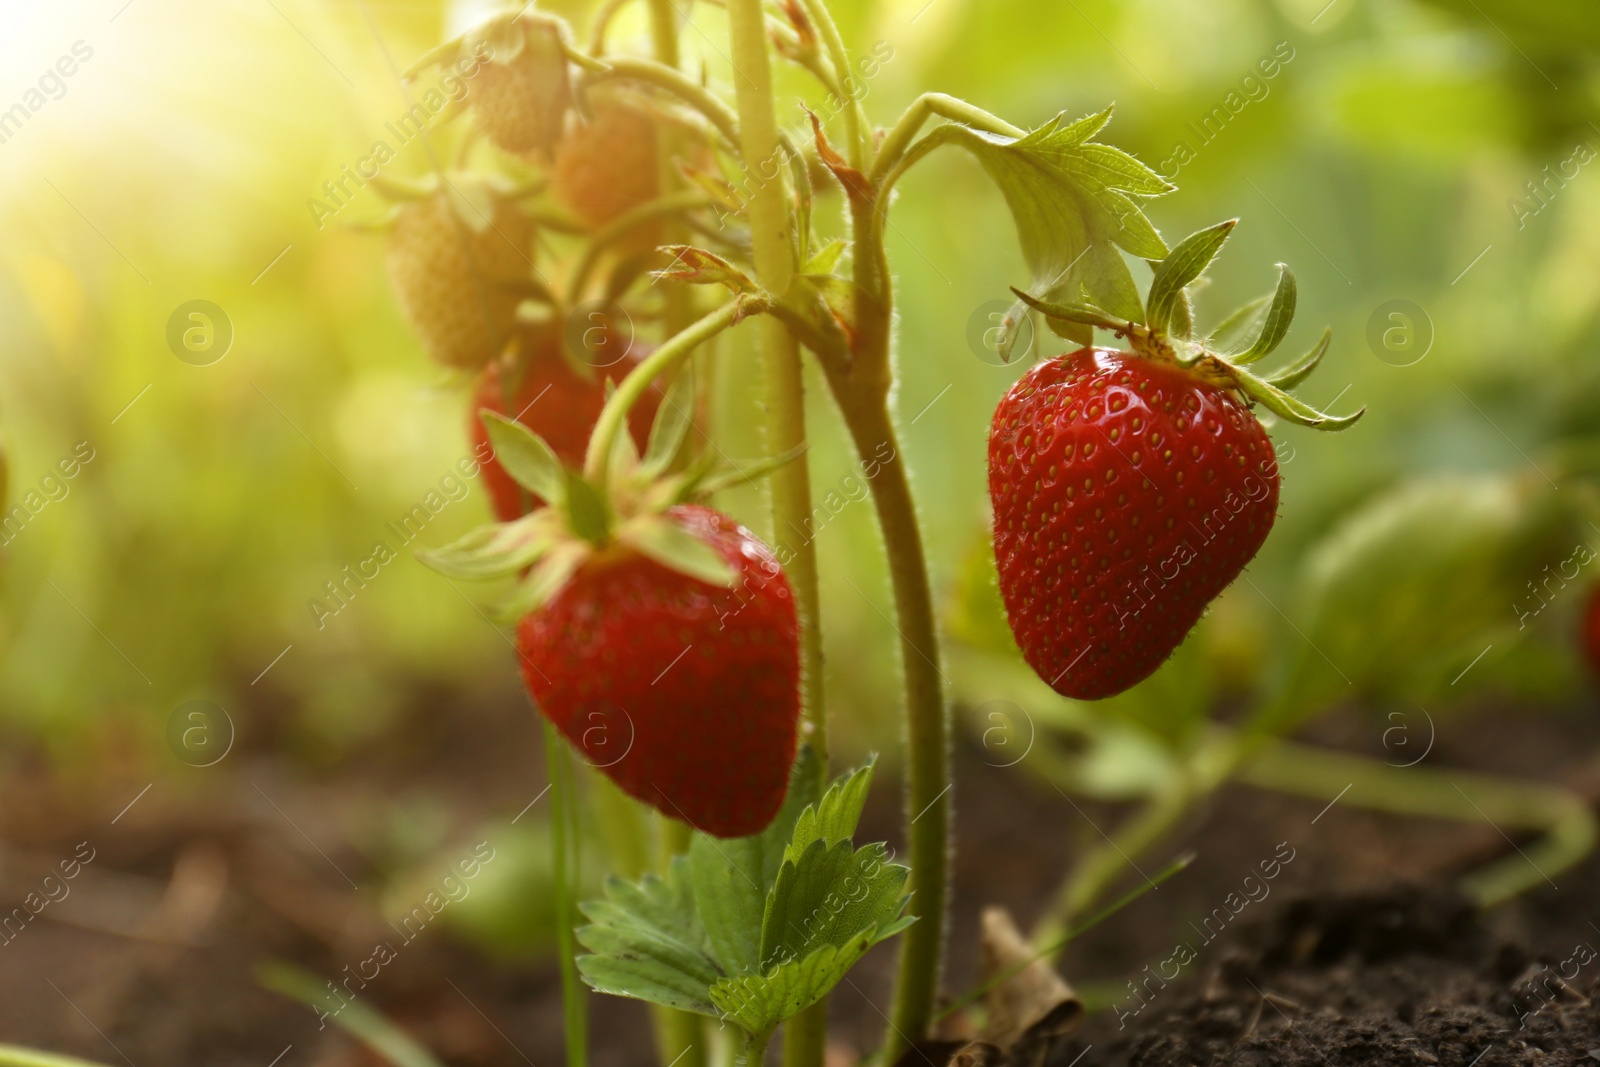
(1166, 333)
(619, 506)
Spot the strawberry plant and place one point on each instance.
(680, 655)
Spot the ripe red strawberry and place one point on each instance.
(609, 164)
(560, 405)
(459, 276)
(685, 693)
(1130, 488)
(1127, 494)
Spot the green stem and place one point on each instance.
(574, 995)
(928, 726)
(697, 96)
(857, 125)
(679, 347)
(899, 138)
(772, 230)
(753, 1051)
(620, 227)
(1565, 818)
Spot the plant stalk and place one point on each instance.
(772, 230)
(928, 727)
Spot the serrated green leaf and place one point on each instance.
(731, 877)
(586, 510)
(646, 941)
(671, 427)
(669, 544)
(1070, 200)
(1135, 234)
(834, 818)
(525, 456)
(1183, 265)
(828, 895)
(495, 550)
(759, 1002)
(1080, 130)
(1301, 369)
(1275, 327)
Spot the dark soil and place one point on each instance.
(1336, 966)
(1399, 976)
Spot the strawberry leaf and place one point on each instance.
(834, 818)
(646, 941)
(732, 877)
(829, 895)
(525, 456)
(663, 540)
(756, 1002)
(1074, 203)
(1183, 265)
(1275, 327)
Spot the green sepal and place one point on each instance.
(1301, 369)
(531, 463)
(671, 426)
(588, 515)
(826, 258)
(548, 577)
(495, 550)
(1083, 314)
(716, 481)
(1281, 403)
(1183, 265)
(1275, 326)
(1227, 333)
(661, 539)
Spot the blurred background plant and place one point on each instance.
(1425, 166)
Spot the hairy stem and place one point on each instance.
(677, 349)
(857, 126)
(927, 793)
(772, 226)
(924, 107)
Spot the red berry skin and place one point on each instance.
(560, 406)
(1127, 494)
(686, 694)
